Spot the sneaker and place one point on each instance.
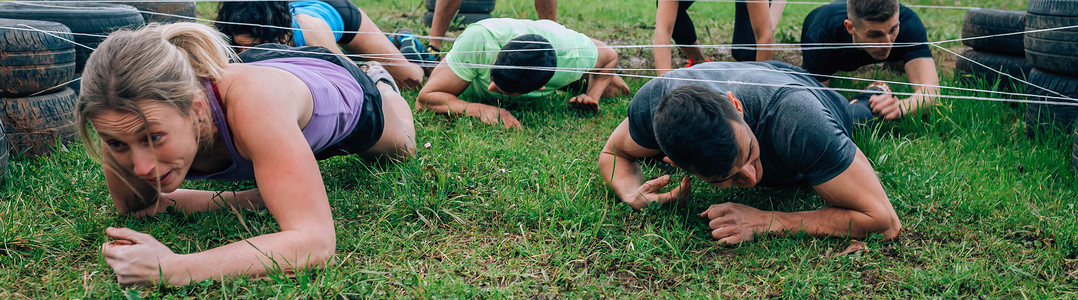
(378, 73)
(409, 45)
(432, 54)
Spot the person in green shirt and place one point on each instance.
(530, 59)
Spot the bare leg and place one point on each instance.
(547, 9)
(693, 53)
(444, 10)
(370, 40)
(398, 133)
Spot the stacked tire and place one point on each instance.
(90, 22)
(1052, 53)
(470, 11)
(36, 108)
(998, 54)
(165, 11)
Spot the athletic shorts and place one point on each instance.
(351, 16)
(371, 123)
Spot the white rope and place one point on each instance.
(1002, 73)
(773, 46)
(742, 46)
(580, 71)
(53, 33)
(720, 1)
(620, 72)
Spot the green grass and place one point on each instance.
(486, 212)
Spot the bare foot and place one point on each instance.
(617, 87)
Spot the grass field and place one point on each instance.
(486, 212)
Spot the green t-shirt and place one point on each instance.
(478, 47)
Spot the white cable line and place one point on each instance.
(720, 1)
(808, 87)
(51, 32)
(773, 46)
(1003, 73)
(742, 46)
(586, 71)
(575, 70)
(33, 3)
(59, 37)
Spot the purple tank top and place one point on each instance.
(338, 101)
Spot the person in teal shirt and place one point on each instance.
(500, 60)
(337, 25)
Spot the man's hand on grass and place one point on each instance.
(136, 257)
(496, 115)
(733, 223)
(649, 192)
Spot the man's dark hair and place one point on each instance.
(274, 13)
(693, 127)
(871, 10)
(522, 53)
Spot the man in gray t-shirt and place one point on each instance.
(744, 124)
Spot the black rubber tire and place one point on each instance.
(1013, 65)
(98, 19)
(983, 22)
(34, 124)
(468, 6)
(1045, 118)
(180, 8)
(34, 61)
(1065, 8)
(75, 84)
(1052, 51)
(461, 18)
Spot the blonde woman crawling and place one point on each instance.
(166, 105)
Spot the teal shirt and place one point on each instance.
(478, 46)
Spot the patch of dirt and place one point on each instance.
(870, 277)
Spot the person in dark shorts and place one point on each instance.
(746, 124)
(754, 23)
(884, 22)
(333, 24)
(163, 104)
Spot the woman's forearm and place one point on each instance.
(257, 256)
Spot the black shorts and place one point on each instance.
(351, 16)
(743, 32)
(371, 121)
(369, 127)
